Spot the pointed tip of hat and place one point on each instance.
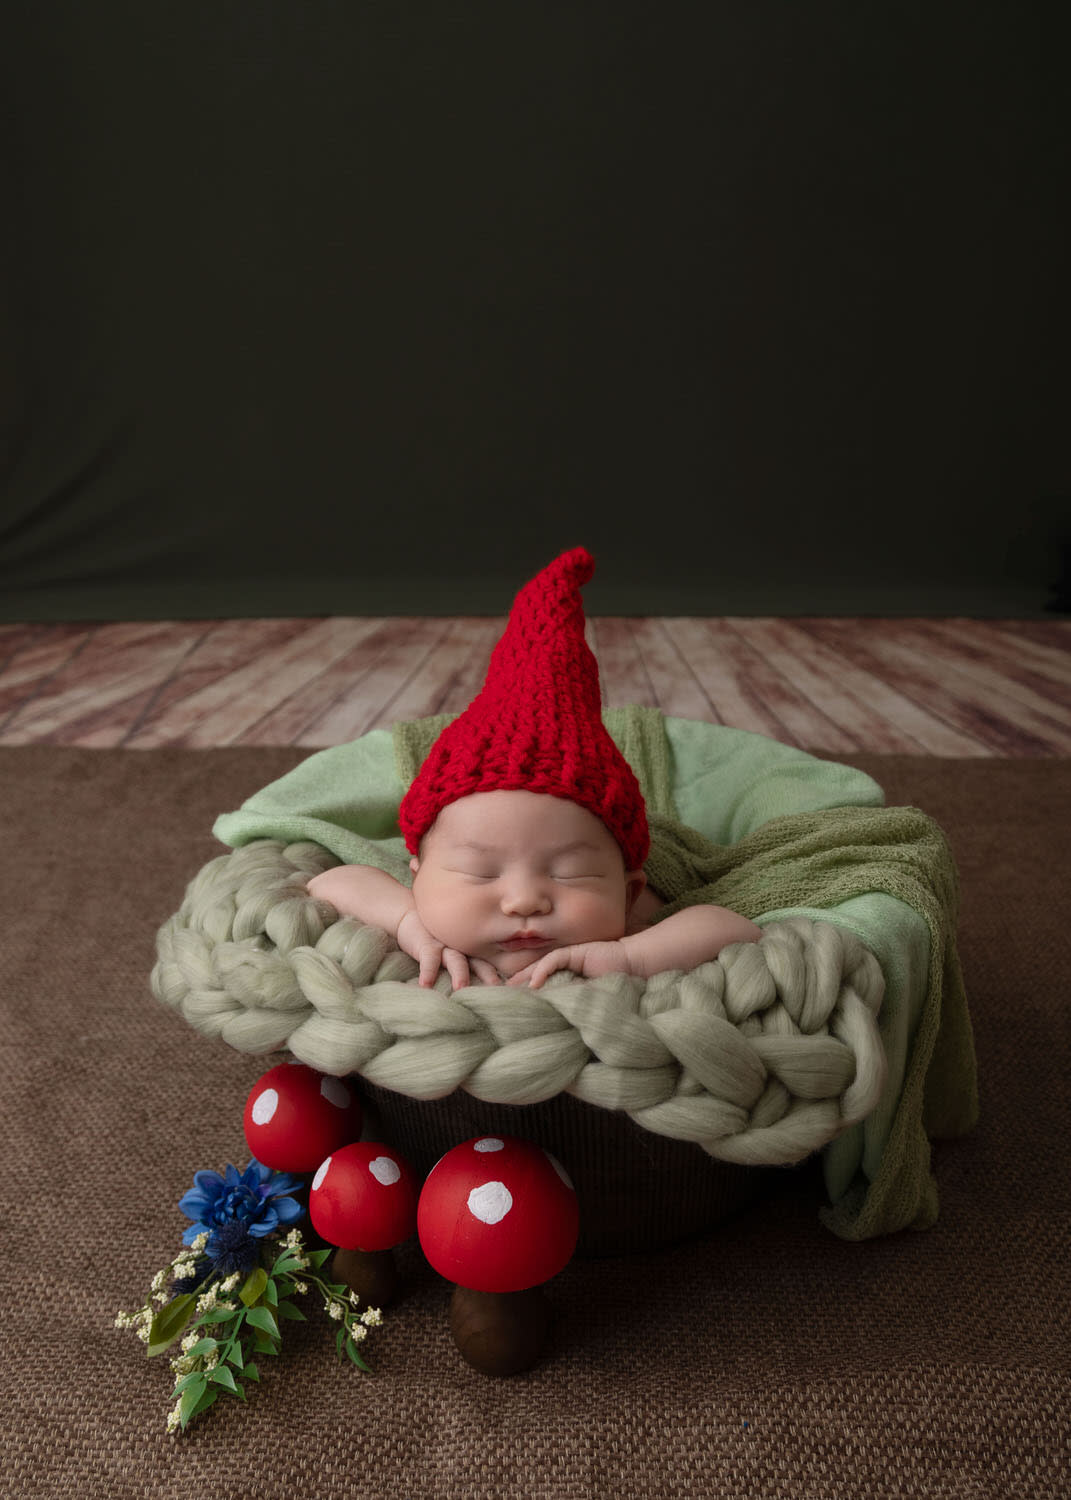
(562, 578)
(578, 559)
(548, 604)
(576, 566)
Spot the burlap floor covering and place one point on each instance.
(768, 1360)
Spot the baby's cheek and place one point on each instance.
(598, 917)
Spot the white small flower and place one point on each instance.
(189, 1341)
(358, 1332)
(124, 1320)
(160, 1298)
(301, 1287)
(183, 1365)
(231, 1282)
(372, 1317)
(335, 1310)
(355, 1301)
(207, 1301)
(159, 1281)
(200, 1242)
(143, 1334)
(293, 1240)
(173, 1420)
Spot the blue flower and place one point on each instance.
(235, 1208)
(232, 1247)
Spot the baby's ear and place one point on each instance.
(635, 881)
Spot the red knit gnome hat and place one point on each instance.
(536, 724)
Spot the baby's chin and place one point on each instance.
(516, 959)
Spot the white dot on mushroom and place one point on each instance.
(490, 1143)
(264, 1106)
(321, 1173)
(385, 1170)
(490, 1203)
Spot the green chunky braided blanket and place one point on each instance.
(739, 820)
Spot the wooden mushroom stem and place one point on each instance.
(372, 1274)
(499, 1333)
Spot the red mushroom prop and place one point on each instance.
(364, 1200)
(294, 1117)
(499, 1217)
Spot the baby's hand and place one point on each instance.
(588, 959)
(415, 939)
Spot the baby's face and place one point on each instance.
(507, 876)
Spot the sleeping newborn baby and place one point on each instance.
(528, 828)
(512, 885)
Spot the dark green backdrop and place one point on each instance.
(373, 307)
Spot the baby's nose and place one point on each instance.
(525, 899)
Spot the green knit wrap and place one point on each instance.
(822, 860)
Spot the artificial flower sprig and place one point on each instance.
(233, 1285)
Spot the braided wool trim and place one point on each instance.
(761, 1056)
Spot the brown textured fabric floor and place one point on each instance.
(770, 1359)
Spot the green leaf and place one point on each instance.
(186, 1381)
(210, 1397)
(251, 1372)
(262, 1344)
(318, 1257)
(295, 1315)
(253, 1289)
(192, 1397)
(235, 1355)
(271, 1294)
(170, 1321)
(260, 1317)
(223, 1376)
(351, 1350)
(202, 1346)
(216, 1315)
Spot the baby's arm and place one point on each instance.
(375, 897)
(364, 892)
(681, 941)
(687, 938)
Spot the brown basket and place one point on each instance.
(638, 1192)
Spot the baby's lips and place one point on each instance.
(525, 940)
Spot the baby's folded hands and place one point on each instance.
(432, 956)
(587, 959)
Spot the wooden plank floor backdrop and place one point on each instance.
(943, 687)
